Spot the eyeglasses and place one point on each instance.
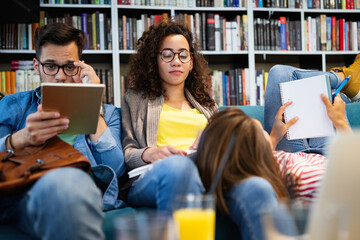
(167, 55)
(52, 69)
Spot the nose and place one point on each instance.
(60, 76)
(176, 60)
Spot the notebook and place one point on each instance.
(307, 105)
(336, 214)
(77, 101)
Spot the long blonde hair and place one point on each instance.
(251, 156)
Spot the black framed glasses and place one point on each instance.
(52, 69)
(167, 55)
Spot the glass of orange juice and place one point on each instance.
(195, 217)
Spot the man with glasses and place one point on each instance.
(65, 203)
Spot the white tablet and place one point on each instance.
(78, 102)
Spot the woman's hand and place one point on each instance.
(336, 112)
(195, 145)
(153, 154)
(279, 127)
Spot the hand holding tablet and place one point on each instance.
(80, 103)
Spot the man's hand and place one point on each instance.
(279, 127)
(336, 112)
(153, 154)
(40, 126)
(85, 71)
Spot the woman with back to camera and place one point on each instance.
(256, 176)
(167, 106)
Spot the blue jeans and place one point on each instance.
(63, 204)
(171, 176)
(282, 73)
(246, 202)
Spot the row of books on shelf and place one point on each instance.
(277, 34)
(213, 32)
(309, 4)
(19, 81)
(234, 87)
(75, 1)
(186, 3)
(335, 4)
(17, 36)
(131, 29)
(279, 3)
(106, 77)
(329, 33)
(96, 26)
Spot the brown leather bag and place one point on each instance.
(20, 169)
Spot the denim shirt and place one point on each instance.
(106, 155)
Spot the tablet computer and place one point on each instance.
(79, 102)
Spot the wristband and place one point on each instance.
(10, 142)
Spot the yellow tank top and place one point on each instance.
(179, 128)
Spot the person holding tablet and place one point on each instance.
(68, 193)
(166, 107)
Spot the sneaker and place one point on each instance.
(352, 88)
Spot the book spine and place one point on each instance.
(328, 33)
(217, 32)
(84, 28)
(283, 33)
(333, 33)
(228, 36)
(97, 16)
(210, 33)
(94, 31)
(341, 34)
(102, 31)
(323, 31)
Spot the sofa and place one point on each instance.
(225, 228)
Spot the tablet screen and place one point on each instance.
(78, 102)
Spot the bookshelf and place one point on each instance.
(252, 58)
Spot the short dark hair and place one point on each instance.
(58, 34)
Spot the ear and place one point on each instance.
(191, 65)
(36, 66)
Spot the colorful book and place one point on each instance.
(283, 43)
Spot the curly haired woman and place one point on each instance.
(165, 110)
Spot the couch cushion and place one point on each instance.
(353, 114)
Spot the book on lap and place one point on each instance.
(308, 106)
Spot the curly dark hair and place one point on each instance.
(144, 72)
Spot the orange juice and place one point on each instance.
(196, 223)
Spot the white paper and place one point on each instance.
(307, 105)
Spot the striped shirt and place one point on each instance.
(303, 174)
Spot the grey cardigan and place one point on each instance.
(140, 122)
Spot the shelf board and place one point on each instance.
(46, 5)
(97, 52)
(175, 8)
(224, 52)
(12, 51)
(265, 9)
(202, 52)
(260, 52)
(321, 11)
